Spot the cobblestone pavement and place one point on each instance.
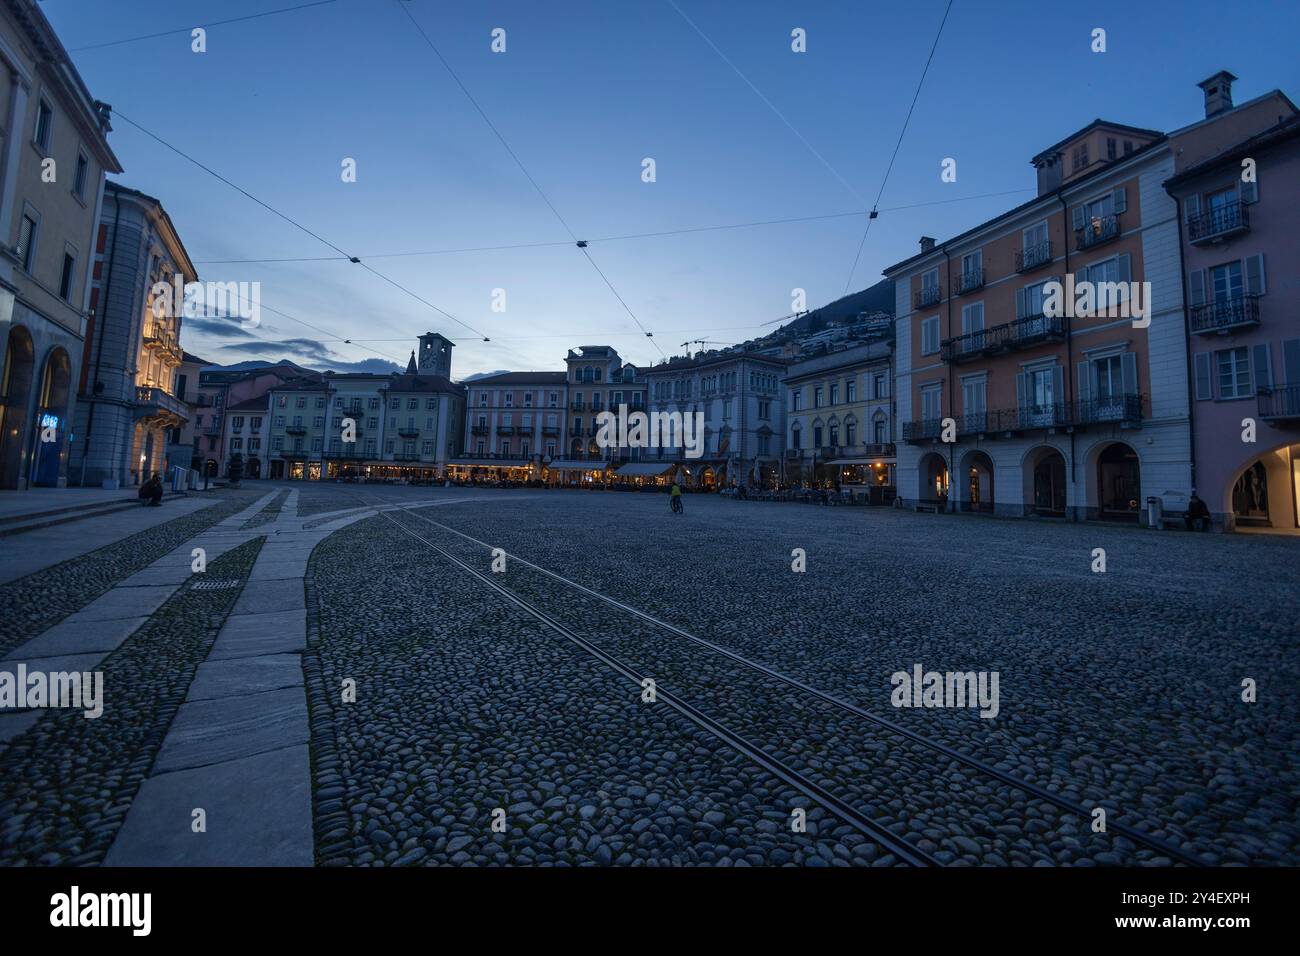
(1120, 690)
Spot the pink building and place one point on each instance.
(1240, 253)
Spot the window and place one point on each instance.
(931, 402)
(881, 386)
(796, 436)
(510, 399)
(505, 448)
(297, 421)
(256, 422)
(1111, 150)
(972, 265)
(26, 248)
(279, 421)
(850, 392)
(316, 444)
(930, 335)
(374, 403)
(974, 396)
(395, 404)
(817, 436)
(555, 399)
(1234, 372)
(880, 429)
(550, 449)
(835, 394)
(388, 447)
(426, 448)
(237, 423)
(1108, 377)
(818, 398)
(79, 182)
(68, 277)
(320, 402)
(318, 421)
(764, 445)
(370, 447)
(1128, 146)
(930, 282)
(255, 444)
(301, 402)
(850, 433)
(1225, 281)
(44, 125)
(796, 400)
(764, 409)
(277, 443)
(236, 444)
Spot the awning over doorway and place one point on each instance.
(644, 470)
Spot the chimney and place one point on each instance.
(1218, 93)
(927, 244)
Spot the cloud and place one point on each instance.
(220, 328)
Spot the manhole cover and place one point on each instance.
(218, 584)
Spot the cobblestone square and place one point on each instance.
(456, 676)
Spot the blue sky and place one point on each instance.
(585, 90)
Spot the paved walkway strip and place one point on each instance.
(238, 748)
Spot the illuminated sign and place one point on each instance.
(49, 421)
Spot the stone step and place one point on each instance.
(17, 524)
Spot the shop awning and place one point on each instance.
(855, 461)
(644, 470)
(563, 465)
(488, 463)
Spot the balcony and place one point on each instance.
(479, 430)
(1034, 257)
(212, 429)
(794, 453)
(577, 405)
(1114, 409)
(970, 281)
(1224, 315)
(550, 429)
(927, 295)
(153, 402)
(1280, 404)
(1101, 230)
(1008, 337)
(296, 430)
(924, 430)
(408, 432)
(1218, 224)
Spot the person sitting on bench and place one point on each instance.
(1198, 513)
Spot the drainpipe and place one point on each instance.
(101, 313)
(1069, 349)
(1187, 339)
(952, 398)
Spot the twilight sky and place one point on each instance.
(584, 92)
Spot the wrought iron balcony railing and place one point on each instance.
(1280, 404)
(1032, 257)
(1218, 223)
(1225, 314)
(927, 295)
(1100, 229)
(1022, 333)
(970, 281)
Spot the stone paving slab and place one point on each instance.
(169, 571)
(213, 731)
(258, 814)
(14, 723)
(245, 675)
(248, 635)
(77, 637)
(279, 570)
(265, 597)
(67, 662)
(123, 602)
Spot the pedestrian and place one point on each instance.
(1198, 514)
(151, 492)
(675, 497)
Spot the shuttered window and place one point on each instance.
(26, 242)
(1204, 380)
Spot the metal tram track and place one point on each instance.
(869, 827)
(981, 766)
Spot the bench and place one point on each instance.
(1173, 508)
